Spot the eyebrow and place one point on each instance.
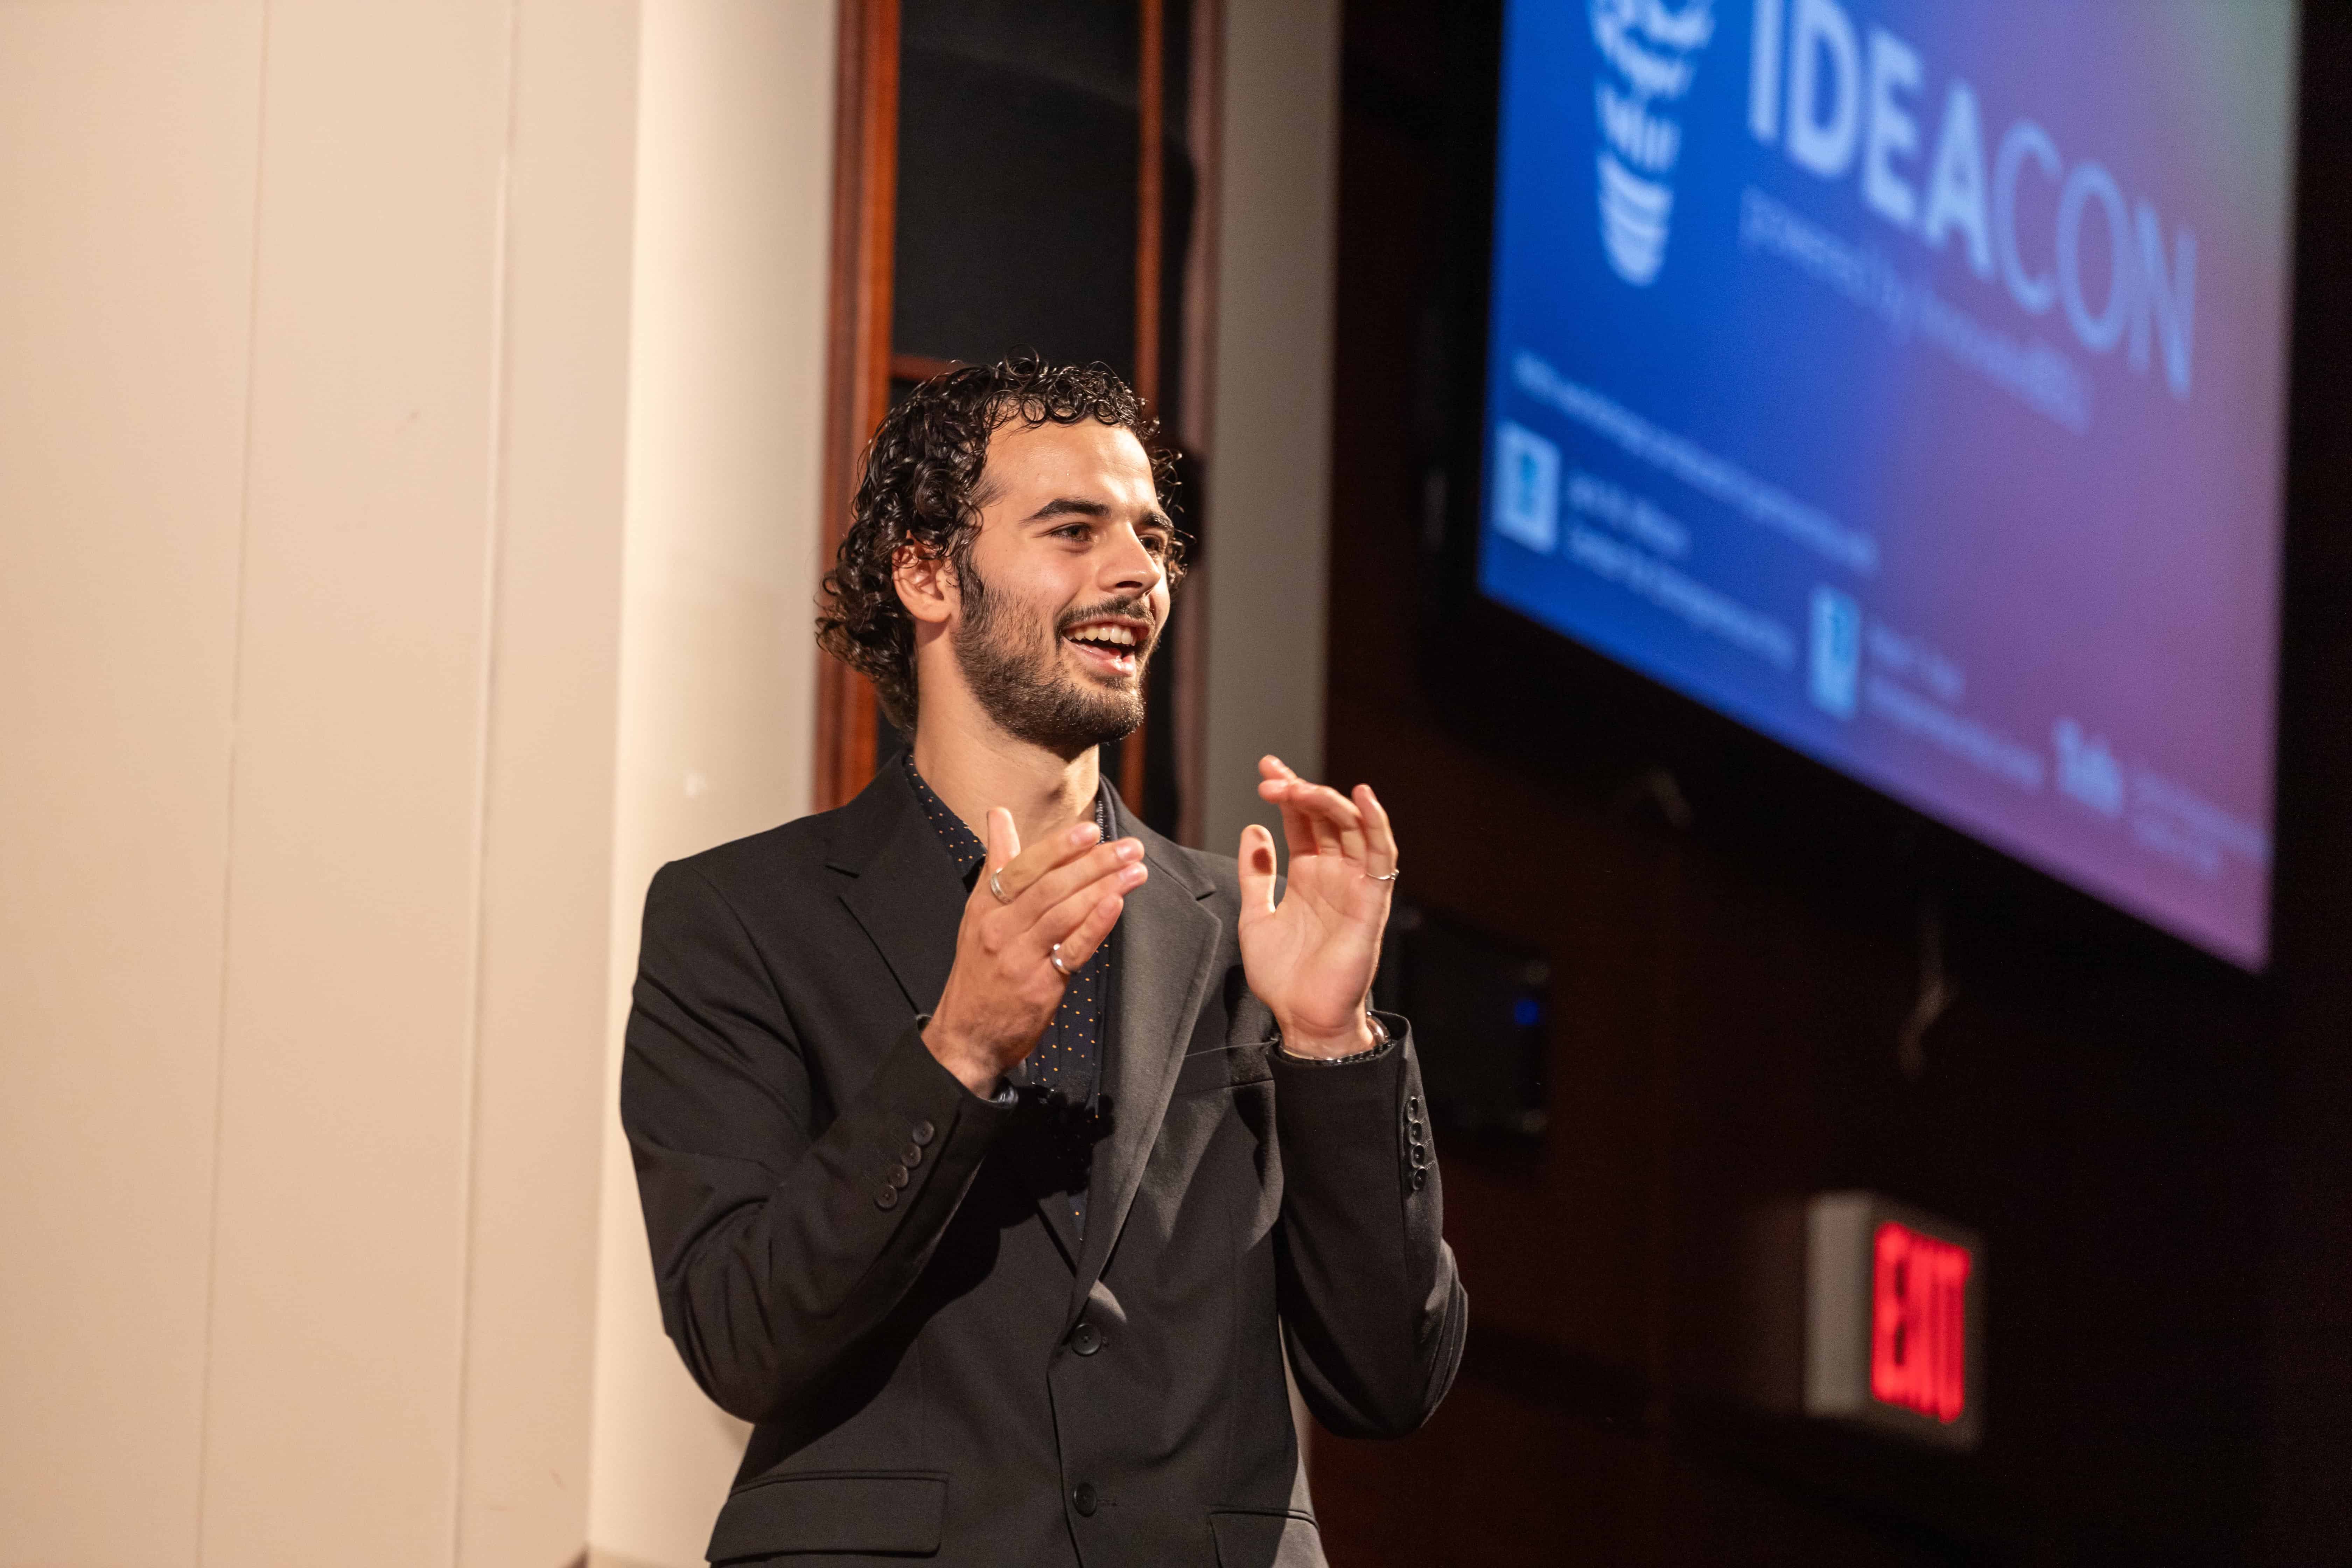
(1071, 506)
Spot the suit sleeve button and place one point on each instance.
(1420, 1180)
(888, 1198)
(911, 1156)
(923, 1132)
(896, 1175)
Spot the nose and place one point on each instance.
(1129, 568)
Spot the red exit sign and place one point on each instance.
(1918, 1322)
(1893, 1308)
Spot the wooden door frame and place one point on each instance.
(860, 359)
(857, 372)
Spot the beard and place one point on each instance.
(1013, 663)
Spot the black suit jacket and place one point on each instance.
(943, 1368)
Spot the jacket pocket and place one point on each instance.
(1222, 1067)
(1265, 1538)
(872, 1510)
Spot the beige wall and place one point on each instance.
(316, 372)
(719, 671)
(1264, 573)
(122, 405)
(312, 342)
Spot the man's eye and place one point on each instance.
(1156, 542)
(1073, 531)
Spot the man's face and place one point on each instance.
(1066, 590)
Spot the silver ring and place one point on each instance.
(1391, 877)
(996, 889)
(1054, 958)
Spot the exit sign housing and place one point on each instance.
(1894, 1319)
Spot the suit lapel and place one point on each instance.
(1167, 957)
(905, 895)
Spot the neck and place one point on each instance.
(975, 767)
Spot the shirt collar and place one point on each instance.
(963, 844)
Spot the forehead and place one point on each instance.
(1085, 461)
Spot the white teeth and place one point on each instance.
(1118, 635)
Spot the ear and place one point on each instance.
(926, 582)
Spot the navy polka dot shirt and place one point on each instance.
(1065, 1071)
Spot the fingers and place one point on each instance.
(1380, 838)
(1316, 818)
(1018, 870)
(1319, 820)
(1257, 868)
(1078, 922)
(1036, 902)
(1350, 826)
(1094, 924)
(1298, 826)
(1004, 839)
(1279, 789)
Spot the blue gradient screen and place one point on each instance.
(1906, 379)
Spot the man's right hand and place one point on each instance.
(1003, 988)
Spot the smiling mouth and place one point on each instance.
(1109, 643)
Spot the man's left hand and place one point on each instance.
(1310, 959)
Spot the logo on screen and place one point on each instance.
(1526, 488)
(1649, 50)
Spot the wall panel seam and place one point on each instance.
(493, 534)
(229, 801)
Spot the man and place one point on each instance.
(992, 1147)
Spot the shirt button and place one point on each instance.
(1085, 1338)
(923, 1132)
(888, 1198)
(1083, 1498)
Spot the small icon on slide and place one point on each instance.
(2088, 771)
(1527, 487)
(1835, 669)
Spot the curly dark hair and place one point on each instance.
(921, 471)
